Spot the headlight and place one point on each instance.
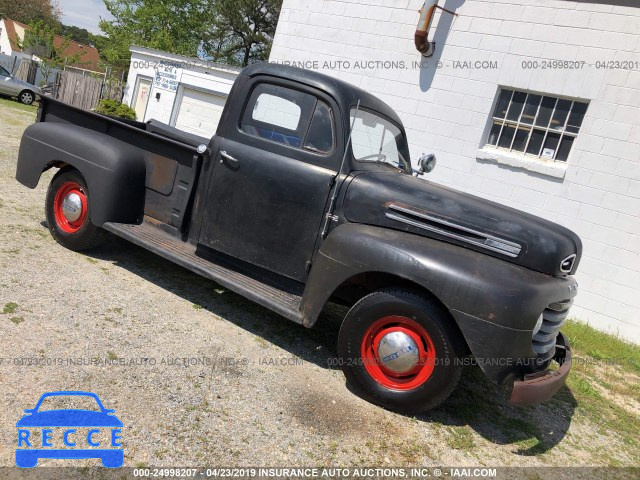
(538, 326)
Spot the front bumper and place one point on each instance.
(541, 386)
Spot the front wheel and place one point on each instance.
(26, 97)
(68, 210)
(399, 349)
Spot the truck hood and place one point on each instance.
(404, 202)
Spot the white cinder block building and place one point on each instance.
(187, 93)
(534, 104)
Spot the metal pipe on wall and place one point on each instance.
(423, 45)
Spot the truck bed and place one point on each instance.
(171, 157)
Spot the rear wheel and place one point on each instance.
(399, 349)
(27, 97)
(68, 212)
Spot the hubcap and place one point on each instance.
(72, 207)
(398, 352)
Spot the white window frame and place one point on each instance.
(517, 124)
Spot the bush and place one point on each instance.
(114, 108)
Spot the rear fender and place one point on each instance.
(114, 171)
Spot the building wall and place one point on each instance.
(5, 45)
(192, 73)
(447, 111)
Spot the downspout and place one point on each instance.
(424, 46)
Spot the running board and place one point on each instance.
(162, 243)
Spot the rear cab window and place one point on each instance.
(289, 117)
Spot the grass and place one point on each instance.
(603, 384)
(10, 308)
(460, 438)
(603, 397)
(602, 346)
(8, 102)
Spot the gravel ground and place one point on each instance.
(256, 391)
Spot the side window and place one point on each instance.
(278, 114)
(3, 72)
(289, 117)
(277, 111)
(320, 136)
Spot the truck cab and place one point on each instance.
(306, 195)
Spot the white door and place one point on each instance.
(141, 97)
(199, 112)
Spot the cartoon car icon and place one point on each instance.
(71, 418)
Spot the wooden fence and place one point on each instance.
(80, 90)
(75, 86)
(27, 71)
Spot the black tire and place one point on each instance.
(26, 97)
(432, 319)
(87, 235)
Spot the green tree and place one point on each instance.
(242, 30)
(175, 26)
(77, 34)
(28, 11)
(40, 40)
(238, 32)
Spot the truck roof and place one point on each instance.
(344, 93)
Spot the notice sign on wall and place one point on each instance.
(168, 76)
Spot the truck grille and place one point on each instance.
(553, 318)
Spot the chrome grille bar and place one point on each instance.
(553, 318)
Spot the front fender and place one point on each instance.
(494, 303)
(114, 171)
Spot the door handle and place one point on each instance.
(234, 162)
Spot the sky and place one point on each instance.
(84, 13)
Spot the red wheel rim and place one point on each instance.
(375, 367)
(63, 192)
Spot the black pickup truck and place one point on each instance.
(306, 195)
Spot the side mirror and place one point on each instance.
(427, 163)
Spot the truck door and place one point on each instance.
(269, 188)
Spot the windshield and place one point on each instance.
(375, 139)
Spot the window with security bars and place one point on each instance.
(535, 125)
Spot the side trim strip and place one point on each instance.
(492, 243)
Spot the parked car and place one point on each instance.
(14, 87)
(305, 195)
